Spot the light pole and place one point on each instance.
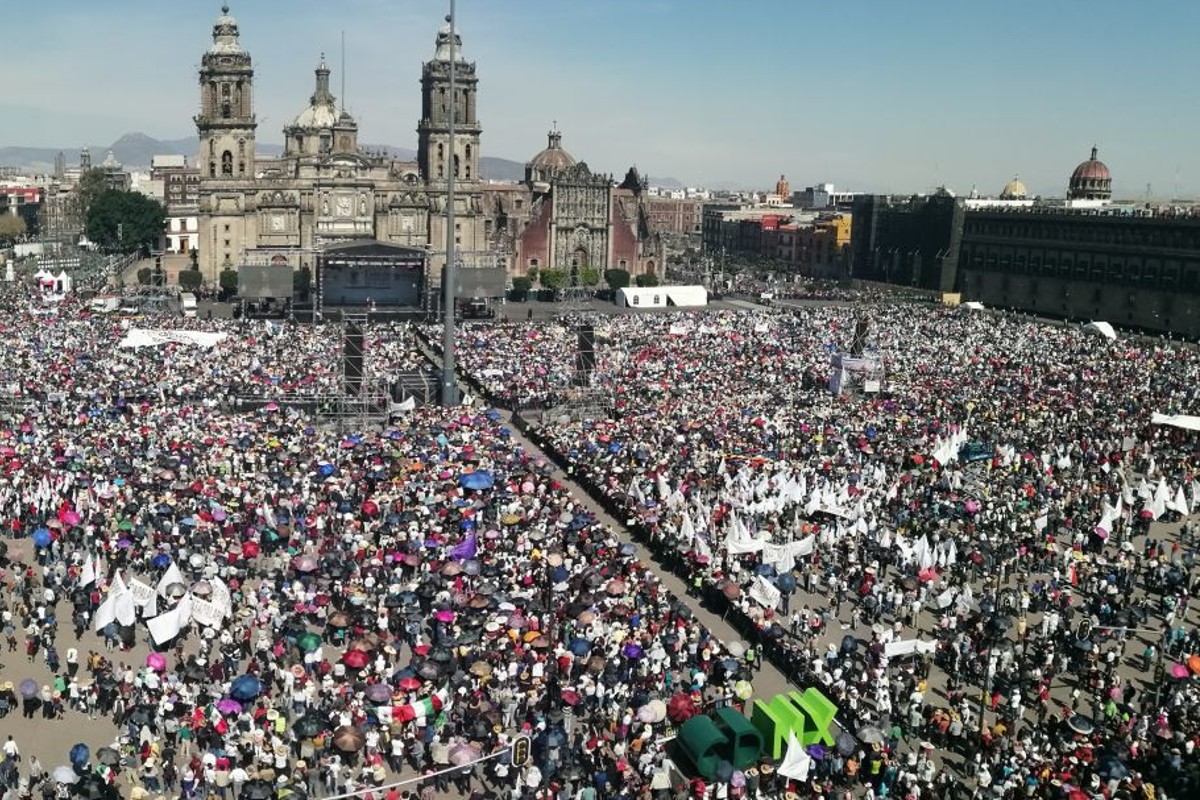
(449, 272)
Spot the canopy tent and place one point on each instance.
(661, 297)
(1185, 421)
(973, 305)
(63, 282)
(1101, 328)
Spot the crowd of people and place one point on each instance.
(987, 564)
(1005, 498)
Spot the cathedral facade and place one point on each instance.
(323, 190)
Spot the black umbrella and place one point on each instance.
(142, 715)
(308, 726)
(91, 786)
(108, 756)
(257, 789)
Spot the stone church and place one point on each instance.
(324, 190)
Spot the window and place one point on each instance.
(533, 262)
(227, 163)
(518, 203)
(657, 299)
(227, 229)
(637, 301)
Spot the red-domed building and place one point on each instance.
(1091, 180)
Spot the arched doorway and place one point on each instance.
(650, 268)
(579, 261)
(278, 261)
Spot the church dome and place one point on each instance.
(1014, 190)
(553, 158)
(1091, 180)
(322, 111)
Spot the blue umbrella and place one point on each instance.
(786, 582)
(41, 537)
(245, 687)
(325, 470)
(627, 549)
(560, 574)
(580, 646)
(477, 480)
(79, 754)
(161, 561)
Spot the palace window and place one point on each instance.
(227, 163)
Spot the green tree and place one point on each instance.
(144, 275)
(533, 275)
(123, 222)
(647, 280)
(12, 227)
(589, 276)
(616, 278)
(92, 182)
(553, 278)
(228, 280)
(190, 278)
(521, 285)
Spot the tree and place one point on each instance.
(521, 286)
(190, 278)
(533, 275)
(553, 278)
(12, 227)
(92, 182)
(124, 221)
(228, 280)
(589, 276)
(144, 275)
(616, 278)
(647, 280)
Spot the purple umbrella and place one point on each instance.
(28, 687)
(632, 650)
(124, 544)
(227, 705)
(379, 693)
(817, 751)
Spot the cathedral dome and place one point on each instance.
(225, 34)
(553, 158)
(1014, 190)
(1091, 180)
(322, 111)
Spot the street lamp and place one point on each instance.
(449, 272)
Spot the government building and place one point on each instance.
(324, 193)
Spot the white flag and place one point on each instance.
(87, 575)
(172, 575)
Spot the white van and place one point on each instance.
(187, 304)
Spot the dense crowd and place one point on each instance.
(269, 606)
(1006, 498)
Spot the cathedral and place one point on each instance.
(323, 191)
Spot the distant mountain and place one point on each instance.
(136, 150)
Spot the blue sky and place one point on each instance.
(873, 95)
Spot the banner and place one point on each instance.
(142, 593)
(206, 613)
(906, 647)
(172, 575)
(765, 593)
(165, 627)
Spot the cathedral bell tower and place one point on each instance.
(433, 154)
(226, 121)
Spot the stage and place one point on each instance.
(383, 278)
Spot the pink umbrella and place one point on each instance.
(927, 574)
(444, 615)
(156, 662)
(1179, 671)
(70, 517)
(1100, 532)
(972, 506)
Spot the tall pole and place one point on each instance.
(449, 277)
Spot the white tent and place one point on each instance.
(661, 296)
(42, 276)
(63, 282)
(1101, 328)
(973, 305)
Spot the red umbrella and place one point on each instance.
(370, 508)
(570, 697)
(681, 708)
(918, 459)
(250, 549)
(409, 684)
(355, 659)
(927, 574)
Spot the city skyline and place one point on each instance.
(873, 97)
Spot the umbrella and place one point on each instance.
(464, 753)
(736, 649)
(308, 726)
(1080, 724)
(742, 690)
(305, 563)
(227, 705)
(348, 739)
(308, 641)
(570, 697)
(108, 756)
(616, 587)
(845, 743)
(139, 716)
(92, 787)
(477, 480)
(731, 590)
(156, 662)
(64, 774)
(870, 735)
(79, 754)
(355, 659)
(481, 669)
(338, 619)
(1179, 671)
(681, 708)
(28, 687)
(245, 687)
(409, 684)
(817, 751)
(1194, 664)
(632, 650)
(580, 646)
(379, 693)
(257, 789)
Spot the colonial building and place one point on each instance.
(323, 189)
(566, 217)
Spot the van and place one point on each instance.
(187, 304)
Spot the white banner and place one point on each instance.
(221, 598)
(206, 613)
(172, 575)
(906, 647)
(165, 627)
(142, 593)
(142, 337)
(765, 593)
